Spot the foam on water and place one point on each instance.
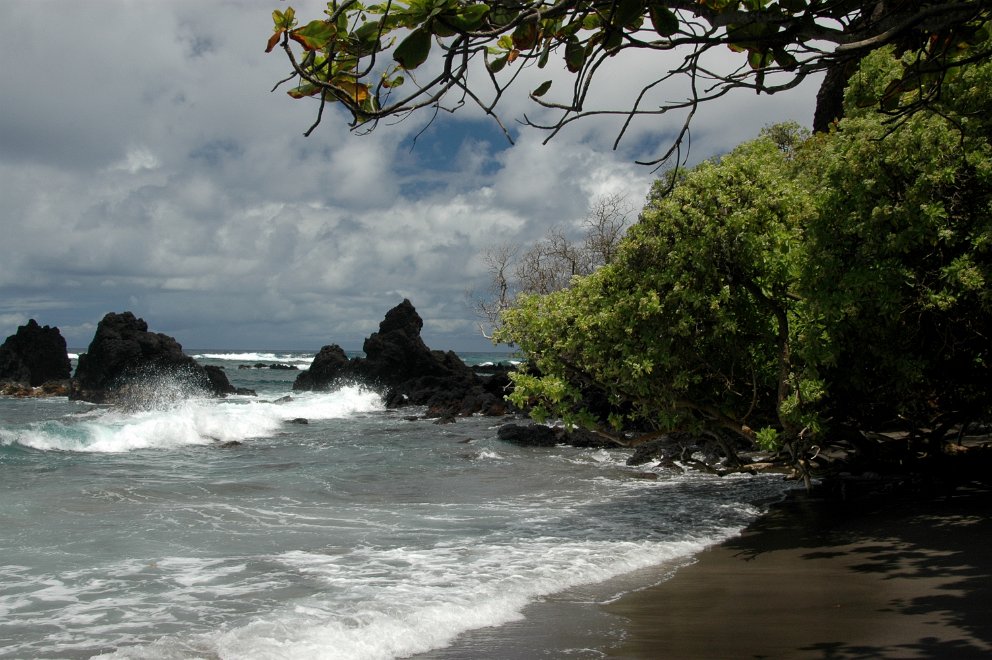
(390, 603)
(185, 422)
(358, 535)
(257, 357)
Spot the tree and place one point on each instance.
(901, 283)
(801, 295)
(361, 55)
(552, 263)
(690, 328)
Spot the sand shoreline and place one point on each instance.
(816, 579)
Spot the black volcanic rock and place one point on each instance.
(397, 355)
(539, 435)
(398, 363)
(530, 435)
(34, 355)
(125, 360)
(328, 366)
(219, 384)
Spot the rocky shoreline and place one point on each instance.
(127, 364)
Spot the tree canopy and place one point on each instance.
(375, 58)
(796, 293)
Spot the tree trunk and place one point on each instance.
(830, 97)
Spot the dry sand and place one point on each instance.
(893, 579)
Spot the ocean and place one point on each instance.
(364, 533)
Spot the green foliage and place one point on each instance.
(900, 283)
(844, 277)
(688, 327)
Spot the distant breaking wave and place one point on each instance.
(253, 357)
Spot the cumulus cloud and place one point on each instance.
(153, 170)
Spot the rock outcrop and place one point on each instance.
(128, 364)
(33, 356)
(328, 367)
(399, 364)
(539, 435)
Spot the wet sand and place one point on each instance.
(889, 579)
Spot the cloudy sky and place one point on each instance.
(146, 166)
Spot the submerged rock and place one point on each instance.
(33, 356)
(539, 435)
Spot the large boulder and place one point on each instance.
(328, 367)
(398, 363)
(126, 363)
(34, 355)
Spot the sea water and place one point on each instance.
(364, 533)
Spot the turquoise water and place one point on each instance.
(360, 534)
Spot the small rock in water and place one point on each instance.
(283, 399)
(299, 420)
(230, 443)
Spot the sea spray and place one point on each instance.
(177, 420)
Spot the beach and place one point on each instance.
(882, 578)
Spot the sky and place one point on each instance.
(146, 165)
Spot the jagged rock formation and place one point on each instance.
(398, 363)
(34, 356)
(127, 363)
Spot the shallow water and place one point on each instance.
(357, 535)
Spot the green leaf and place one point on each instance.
(525, 36)
(542, 89)
(575, 55)
(314, 35)
(496, 65)
(785, 59)
(304, 91)
(542, 61)
(665, 22)
(413, 51)
(628, 12)
(284, 20)
(501, 15)
(468, 18)
(758, 59)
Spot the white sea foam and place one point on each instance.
(344, 402)
(254, 357)
(391, 603)
(195, 421)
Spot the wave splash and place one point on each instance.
(178, 422)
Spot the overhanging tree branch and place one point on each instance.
(362, 54)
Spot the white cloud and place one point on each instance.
(153, 170)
